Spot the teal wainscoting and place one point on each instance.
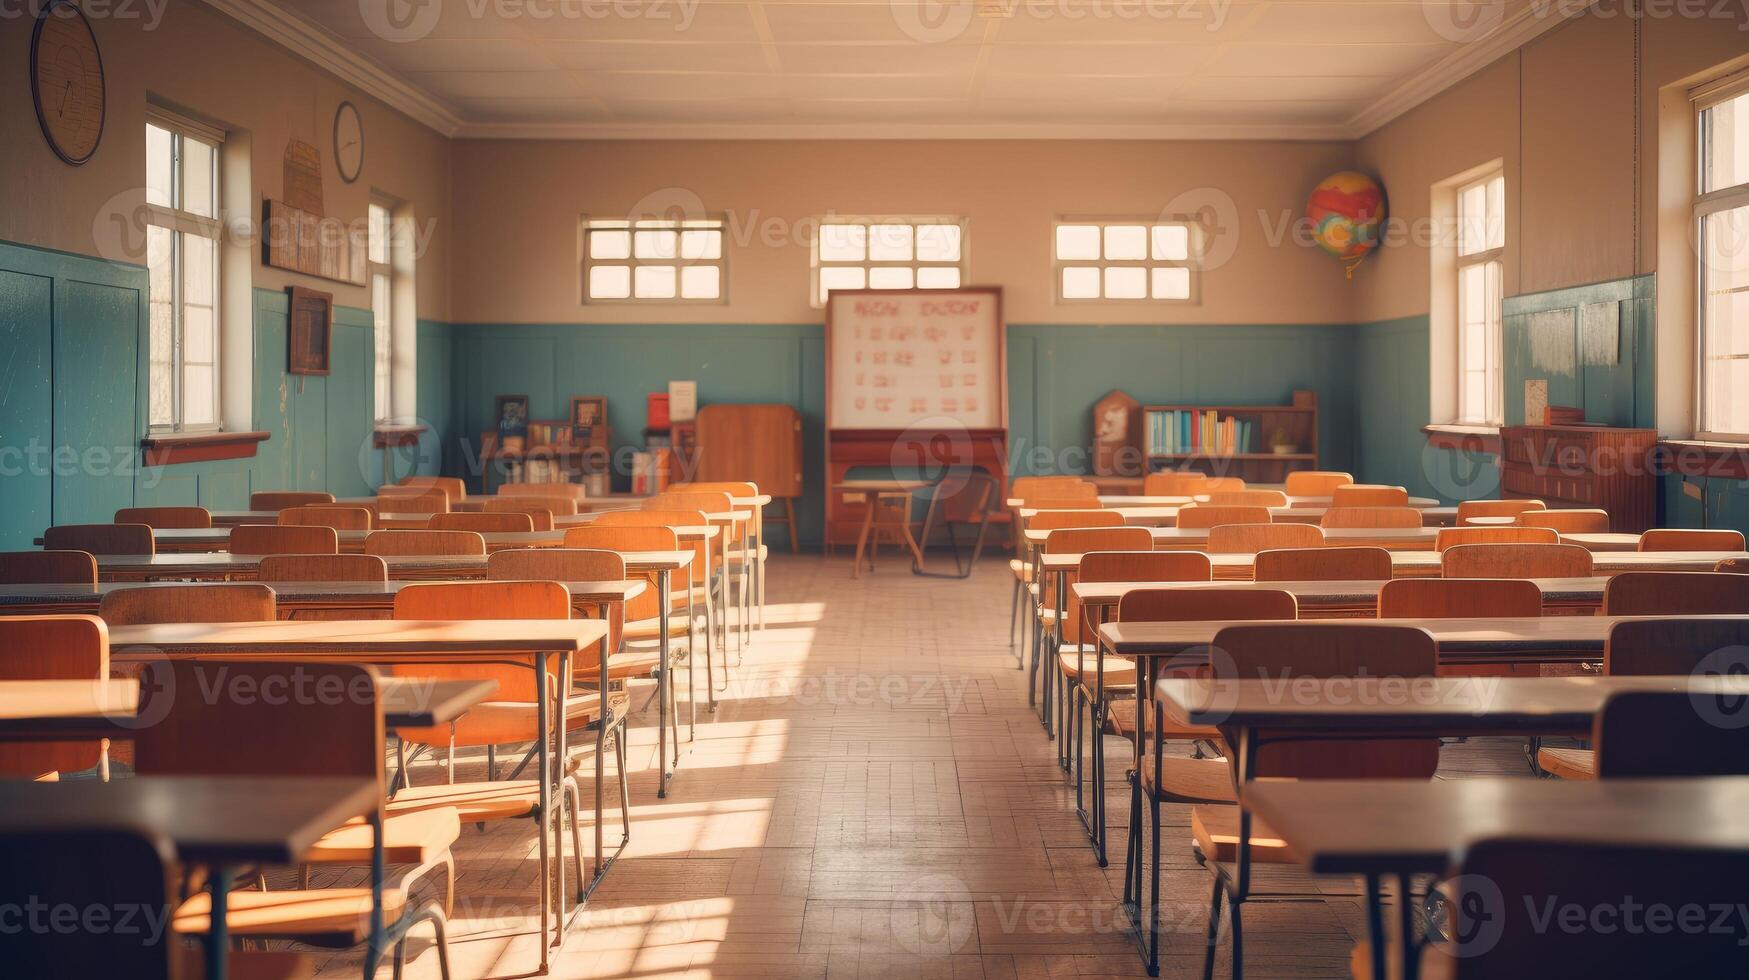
(1594, 346)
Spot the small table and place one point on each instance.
(52, 710)
(872, 491)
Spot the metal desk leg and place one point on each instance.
(543, 725)
(663, 681)
(556, 819)
(218, 936)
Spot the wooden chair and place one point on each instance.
(1670, 539)
(1249, 539)
(1371, 517)
(484, 523)
(323, 568)
(452, 487)
(389, 543)
(736, 571)
(422, 502)
(282, 499)
(1172, 483)
(1315, 483)
(338, 518)
(1047, 638)
(234, 731)
(48, 568)
(1667, 734)
(44, 648)
(1516, 561)
(1586, 521)
(1736, 566)
(1246, 498)
(232, 602)
(571, 491)
(539, 518)
(1083, 515)
(100, 539)
(1451, 537)
(165, 518)
(1328, 564)
(1459, 598)
(1207, 516)
(1369, 495)
(521, 503)
(1223, 484)
(289, 539)
(1494, 508)
(756, 528)
(1675, 594)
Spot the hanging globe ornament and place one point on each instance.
(1347, 215)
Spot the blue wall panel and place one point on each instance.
(26, 401)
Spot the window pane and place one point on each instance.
(1081, 282)
(1126, 282)
(889, 243)
(1725, 149)
(199, 330)
(1171, 242)
(841, 277)
(1171, 282)
(379, 234)
(843, 243)
(938, 277)
(889, 278)
(610, 282)
(1077, 242)
(1126, 242)
(701, 282)
(938, 243)
(199, 188)
(161, 342)
(1725, 250)
(1472, 219)
(199, 395)
(1497, 213)
(653, 281)
(1725, 321)
(659, 244)
(384, 332)
(610, 244)
(160, 166)
(701, 244)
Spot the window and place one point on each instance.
(1481, 240)
(1137, 261)
(182, 259)
(654, 261)
(1721, 216)
(888, 253)
(382, 306)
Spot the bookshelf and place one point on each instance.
(1241, 447)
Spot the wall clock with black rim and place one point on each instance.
(348, 142)
(66, 81)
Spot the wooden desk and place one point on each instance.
(1426, 564)
(1391, 539)
(421, 702)
(206, 540)
(65, 709)
(370, 598)
(385, 519)
(872, 491)
(1328, 598)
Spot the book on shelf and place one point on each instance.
(1190, 432)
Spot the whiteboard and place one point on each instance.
(901, 358)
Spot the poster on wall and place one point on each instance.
(900, 357)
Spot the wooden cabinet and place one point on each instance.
(1583, 466)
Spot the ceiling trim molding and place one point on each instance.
(329, 53)
(896, 131)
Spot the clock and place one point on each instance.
(348, 141)
(66, 81)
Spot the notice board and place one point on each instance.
(900, 358)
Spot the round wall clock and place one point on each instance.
(66, 81)
(348, 142)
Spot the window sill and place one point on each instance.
(199, 447)
(1466, 438)
(387, 436)
(1705, 458)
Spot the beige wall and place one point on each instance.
(518, 203)
(204, 62)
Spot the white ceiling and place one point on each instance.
(1310, 69)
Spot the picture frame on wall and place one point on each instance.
(310, 325)
(588, 416)
(511, 424)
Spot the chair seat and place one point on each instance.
(473, 802)
(324, 916)
(620, 666)
(1022, 569)
(1191, 780)
(1118, 672)
(408, 838)
(651, 629)
(1216, 830)
(1123, 722)
(736, 557)
(1568, 763)
(498, 722)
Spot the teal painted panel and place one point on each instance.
(26, 401)
(1680, 509)
(96, 346)
(435, 397)
(273, 465)
(350, 411)
(168, 486)
(1544, 339)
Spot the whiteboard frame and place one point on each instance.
(994, 293)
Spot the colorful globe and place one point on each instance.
(1347, 214)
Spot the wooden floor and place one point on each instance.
(876, 799)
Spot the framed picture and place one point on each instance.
(310, 325)
(512, 422)
(588, 415)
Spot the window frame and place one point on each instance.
(1495, 334)
(382, 326)
(1707, 203)
(179, 221)
(587, 225)
(1194, 247)
(816, 297)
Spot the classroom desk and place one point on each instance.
(1426, 564)
(1166, 514)
(1328, 598)
(374, 598)
(384, 519)
(221, 821)
(1391, 539)
(53, 710)
(871, 492)
(1318, 503)
(198, 540)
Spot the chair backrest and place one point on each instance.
(1322, 565)
(570, 491)
(1377, 517)
(422, 502)
(631, 539)
(47, 648)
(323, 568)
(1192, 605)
(1223, 484)
(1051, 520)
(1649, 734)
(1530, 879)
(1675, 594)
(338, 518)
(703, 552)
(1577, 521)
(1245, 498)
(1369, 495)
(1451, 537)
(453, 487)
(424, 543)
(1249, 539)
(288, 539)
(483, 600)
(1459, 598)
(1679, 539)
(730, 488)
(281, 499)
(48, 568)
(539, 517)
(1516, 561)
(1208, 515)
(521, 503)
(1027, 486)
(571, 565)
(709, 501)
(1467, 509)
(1080, 540)
(165, 518)
(124, 873)
(1281, 651)
(483, 523)
(1315, 483)
(1174, 484)
(231, 602)
(1735, 566)
(1088, 501)
(100, 539)
(1130, 566)
(1648, 647)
